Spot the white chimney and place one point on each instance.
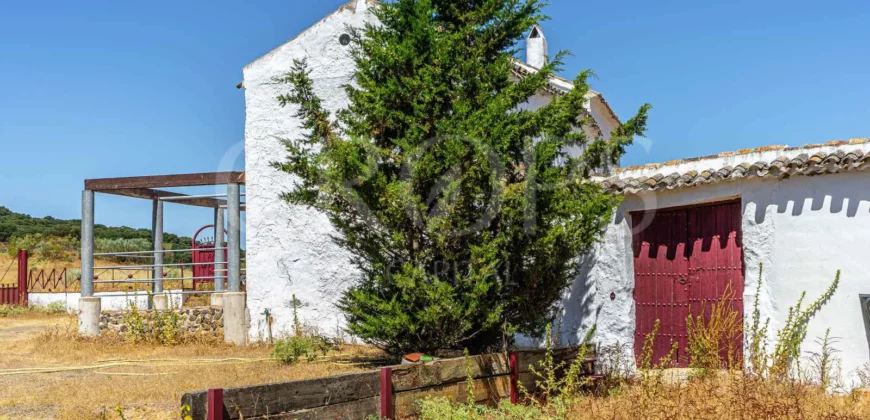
(536, 48)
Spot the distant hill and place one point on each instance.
(13, 225)
(16, 225)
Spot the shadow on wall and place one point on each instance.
(789, 196)
(580, 305)
(810, 195)
(577, 314)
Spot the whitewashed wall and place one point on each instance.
(107, 303)
(803, 229)
(289, 249)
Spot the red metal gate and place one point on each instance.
(16, 294)
(683, 263)
(202, 255)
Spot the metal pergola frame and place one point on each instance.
(148, 187)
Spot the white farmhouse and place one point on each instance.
(289, 248)
(688, 232)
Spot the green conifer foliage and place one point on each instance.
(464, 215)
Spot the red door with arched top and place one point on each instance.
(684, 261)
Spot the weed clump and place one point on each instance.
(290, 350)
(52, 308)
(159, 327)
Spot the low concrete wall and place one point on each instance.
(208, 320)
(108, 303)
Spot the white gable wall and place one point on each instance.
(803, 229)
(289, 250)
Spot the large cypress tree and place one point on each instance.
(465, 215)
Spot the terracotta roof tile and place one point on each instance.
(811, 162)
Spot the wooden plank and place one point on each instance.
(421, 375)
(353, 410)
(263, 400)
(528, 358)
(486, 391)
(197, 402)
(150, 194)
(164, 181)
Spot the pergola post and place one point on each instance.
(234, 300)
(161, 301)
(89, 306)
(220, 266)
(234, 220)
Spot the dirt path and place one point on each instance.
(47, 372)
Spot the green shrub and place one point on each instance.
(42, 247)
(11, 310)
(50, 309)
(28, 242)
(55, 308)
(291, 349)
(444, 409)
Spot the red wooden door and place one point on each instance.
(683, 262)
(660, 290)
(716, 262)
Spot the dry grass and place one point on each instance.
(8, 269)
(147, 380)
(726, 396)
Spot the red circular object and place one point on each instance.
(78, 277)
(612, 295)
(129, 276)
(165, 273)
(96, 277)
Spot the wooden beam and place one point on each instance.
(150, 194)
(565, 356)
(439, 372)
(165, 181)
(271, 399)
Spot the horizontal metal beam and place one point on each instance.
(146, 293)
(141, 266)
(165, 251)
(165, 181)
(152, 280)
(150, 194)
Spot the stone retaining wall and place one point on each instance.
(203, 320)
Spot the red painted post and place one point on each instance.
(515, 378)
(216, 404)
(387, 393)
(22, 277)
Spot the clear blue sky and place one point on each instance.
(103, 89)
